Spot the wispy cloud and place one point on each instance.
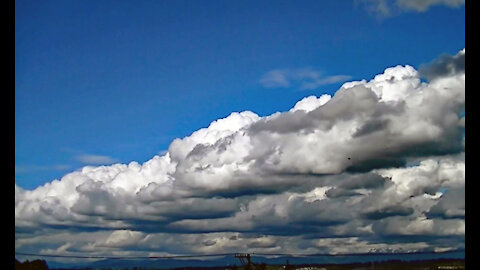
(277, 78)
(387, 8)
(22, 169)
(315, 83)
(423, 5)
(87, 158)
(301, 78)
(95, 159)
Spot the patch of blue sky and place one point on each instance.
(122, 79)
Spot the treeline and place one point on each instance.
(33, 265)
(379, 265)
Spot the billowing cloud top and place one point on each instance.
(378, 161)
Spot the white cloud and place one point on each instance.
(310, 103)
(331, 167)
(121, 238)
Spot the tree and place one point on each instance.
(33, 265)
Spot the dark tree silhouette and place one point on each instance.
(33, 265)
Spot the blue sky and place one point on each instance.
(266, 127)
(98, 82)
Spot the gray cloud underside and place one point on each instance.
(377, 167)
(445, 65)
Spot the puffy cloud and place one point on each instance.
(380, 160)
(310, 103)
(444, 66)
(451, 206)
(393, 115)
(123, 238)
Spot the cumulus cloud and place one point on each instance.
(379, 160)
(301, 78)
(444, 66)
(310, 103)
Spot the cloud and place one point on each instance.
(423, 5)
(22, 169)
(122, 238)
(301, 78)
(376, 163)
(452, 205)
(310, 103)
(95, 159)
(386, 8)
(275, 79)
(445, 65)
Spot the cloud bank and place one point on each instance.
(378, 167)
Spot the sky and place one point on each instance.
(231, 125)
